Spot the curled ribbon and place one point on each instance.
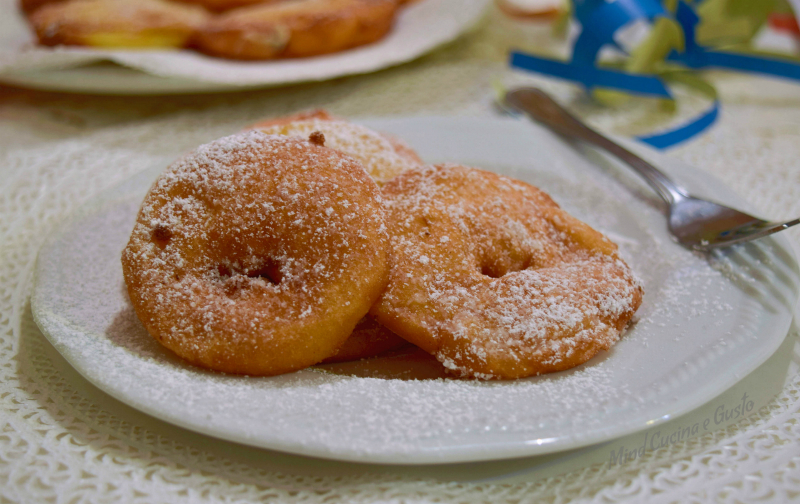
(600, 19)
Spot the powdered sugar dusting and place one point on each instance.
(243, 244)
(383, 158)
(517, 288)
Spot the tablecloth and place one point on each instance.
(63, 440)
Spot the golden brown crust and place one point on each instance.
(257, 254)
(368, 339)
(117, 23)
(296, 29)
(384, 157)
(495, 280)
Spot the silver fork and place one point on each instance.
(695, 223)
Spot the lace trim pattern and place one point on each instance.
(62, 440)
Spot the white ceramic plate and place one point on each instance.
(419, 28)
(705, 323)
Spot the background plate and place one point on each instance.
(706, 322)
(419, 28)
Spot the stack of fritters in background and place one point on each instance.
(236, 29)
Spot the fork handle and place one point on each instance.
(540, 107)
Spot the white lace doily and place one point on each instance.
(62, 440)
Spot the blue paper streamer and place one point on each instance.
(600, 19)
(755, 64)
(600, 25)
(683, 133)
(591, 76)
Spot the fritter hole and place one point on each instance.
(490, 271)
(500, 267)
(271, 271)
